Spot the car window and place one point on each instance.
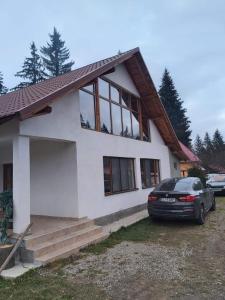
(197, 185)
(175, 184)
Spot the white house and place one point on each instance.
(90, 143)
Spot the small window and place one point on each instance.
(118, 175)
(125, 99)
(87, 110)
(103, 88)
(89, 88)
(150, 174)
(135, 126)
(115, 94)
(105, 116)
(116, 119)
(134, 103)
(126, 123)
(146, 129)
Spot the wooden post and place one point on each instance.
(15, 248)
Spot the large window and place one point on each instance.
(87, 107)
(111, 109)
(150, 174)
(118, 175)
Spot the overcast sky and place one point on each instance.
(186, 36)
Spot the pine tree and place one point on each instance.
(55, 55)
(3, 89)
(174, 108)
(198, 146)
(32, 69)
(217, 141)
(208, 145)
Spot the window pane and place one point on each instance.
(135, 126)
(87, 110)
(126, 123)
(145, 125)
(90, 88)
(115, 95)
(127, 174)
(116, 119)
(134, 103)
(146, 173)
(107, 174)
(105, 116)
(125, 99)
(124, 174)
(116, 175)
(131, 174)
(103, 88)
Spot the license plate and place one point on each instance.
(168, 200)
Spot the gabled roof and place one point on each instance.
(189, 154)
(28, 101)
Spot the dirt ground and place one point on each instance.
(180, 261)
(163, 260)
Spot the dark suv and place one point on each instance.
(183, 198)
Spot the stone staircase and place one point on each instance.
(50, 245)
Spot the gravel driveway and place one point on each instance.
(180, 260)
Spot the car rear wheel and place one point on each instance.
(201, 216)
(213, 207)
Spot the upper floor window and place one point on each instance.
(113, 110)
(87, 107)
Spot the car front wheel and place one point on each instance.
(201, 216)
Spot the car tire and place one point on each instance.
(213, 207)
(201, 215)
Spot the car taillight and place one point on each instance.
(188, 198)
(152, 198)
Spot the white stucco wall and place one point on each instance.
(53, 182)
(87, 197)
(174, 165)
(122, 78)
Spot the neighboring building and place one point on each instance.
(191, 161)
(92, 142)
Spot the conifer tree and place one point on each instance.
(174, 108)
(56, 55)
(32, 69)
(198, 146)
(3, 88)
(208, 144)
(217, 141)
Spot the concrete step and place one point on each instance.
(71, 249)
(39, 238)
(64, 241)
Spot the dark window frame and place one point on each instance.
(134, 188)
(155, 174)
(94, 94)
(129, 107)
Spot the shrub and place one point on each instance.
(6, 204)
(197, 172)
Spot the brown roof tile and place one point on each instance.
(15, 102)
